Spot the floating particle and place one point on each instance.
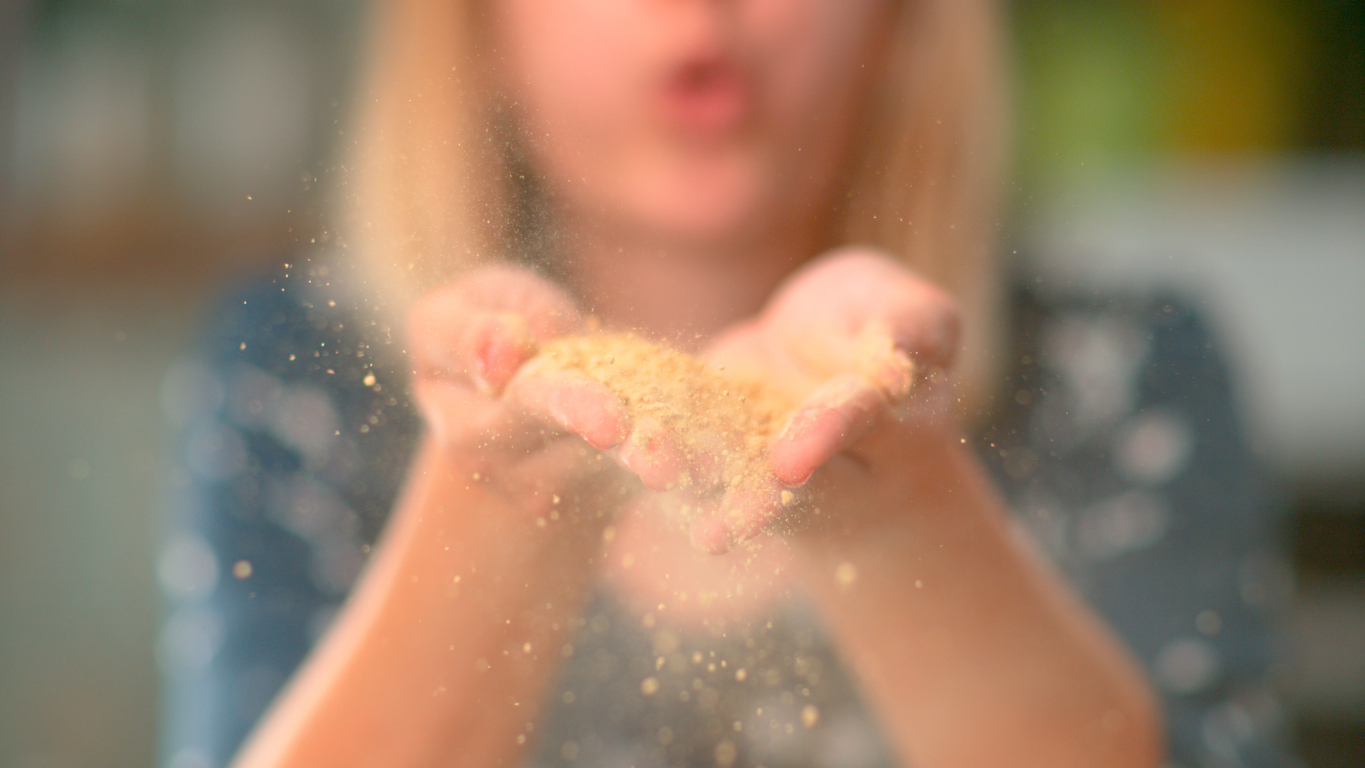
(810, 715)
(845, 575)
(726, 753)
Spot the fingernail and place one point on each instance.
(480, 376)
(709, 535)
(744, 512)
(788, 435)
(884, 362)
(508, 344)
(897, 375)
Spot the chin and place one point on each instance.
(718, 229)
(706, 215)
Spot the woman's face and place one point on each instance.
(701, 122)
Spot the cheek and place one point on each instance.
(564, 67)
(822, 58)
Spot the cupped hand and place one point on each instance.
(530, 436)
(865, 346)
(861, 342)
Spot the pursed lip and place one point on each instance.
(706, 97)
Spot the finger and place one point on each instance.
(709, 534)
(485, 350)
(706, 454)
(858, 311)
(832, 419)
(655, 455)
(457, 416)
(882, 360)
(743, 513)
(482, 328)
(573, 402)
(451, 411)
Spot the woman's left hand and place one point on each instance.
(903, 545)
(865, 346)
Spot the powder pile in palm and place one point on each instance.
(715, 415)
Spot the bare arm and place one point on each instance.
(443, 653)
(973, 652)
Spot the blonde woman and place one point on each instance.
(803, 192)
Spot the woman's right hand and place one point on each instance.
(456, 628)
(533, 437)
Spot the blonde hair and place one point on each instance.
(436, 185)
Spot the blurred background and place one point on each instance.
(153, 151)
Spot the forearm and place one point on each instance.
(970, 649)
(443, 653)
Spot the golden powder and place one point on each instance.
(717, 417)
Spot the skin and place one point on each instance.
(526, 489)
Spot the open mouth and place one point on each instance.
(706, 98)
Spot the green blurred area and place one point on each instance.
(1104, 86)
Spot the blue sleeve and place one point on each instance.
(1121, 451)
(292, 442)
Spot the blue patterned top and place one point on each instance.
(1115, 440)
